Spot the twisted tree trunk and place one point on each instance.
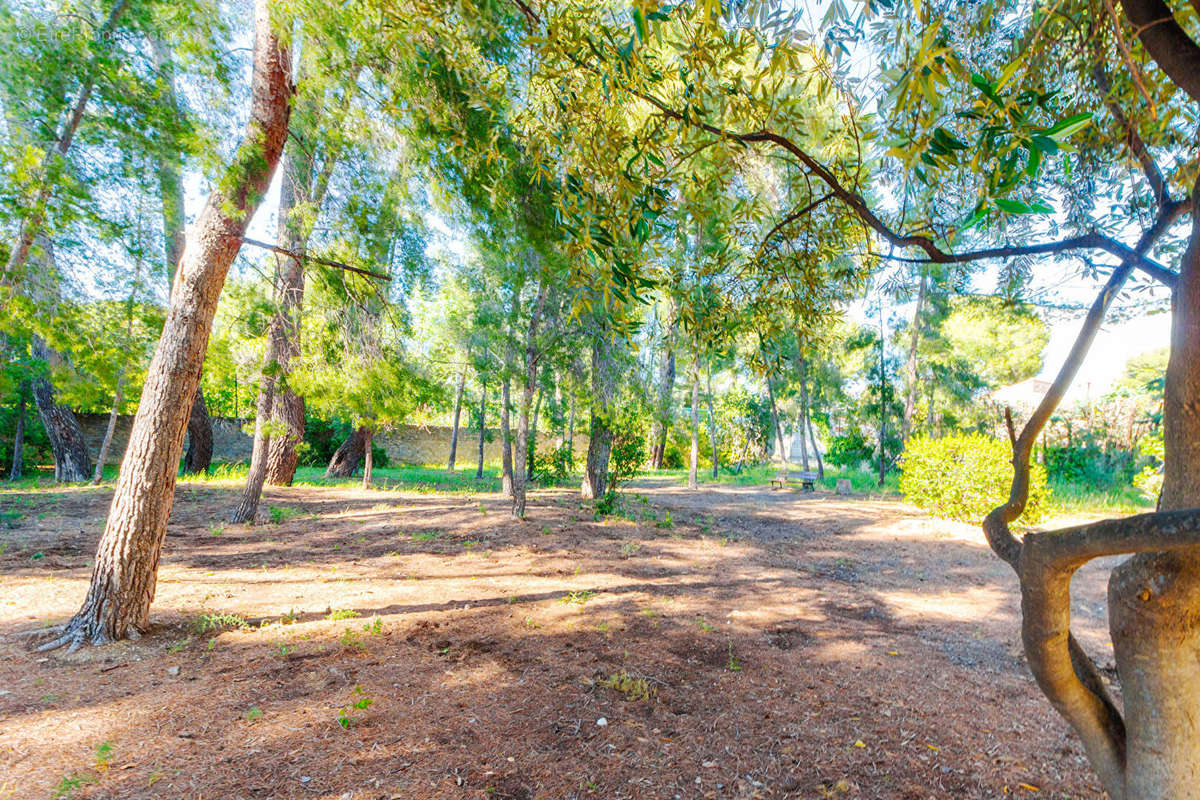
(1151, 751)
(348, 456)
(126, 566)
(71, 460)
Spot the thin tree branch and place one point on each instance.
(323, 261)
(790, 218)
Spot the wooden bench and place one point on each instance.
(804, 479)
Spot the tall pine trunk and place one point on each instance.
(803, 427)
(712, 427)
(18, 457)
(118, 396)
(521, 450)
(816, 450)
(170, 186)
(666, 388)
(910, 367)
(458, 400)
(482, 427)
(506, 453)
(600, 432)
(783, 459)
(694, 453)
(126, 565)
(368, 455)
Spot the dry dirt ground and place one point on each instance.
(730, 643)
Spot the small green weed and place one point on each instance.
(70, 784)
(374, 627)
(253, 714)
(631, 688)
(733, 665)
(703, 625)
(361, 703)
(578, 598)
(426, 536)
(342, 613)
(279, 514)
(216, 622)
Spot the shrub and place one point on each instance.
(849, 449)
(964, 476)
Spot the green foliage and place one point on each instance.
(628, 454)
(849, 449)
(965, 476)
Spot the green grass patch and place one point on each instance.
(861, 481)
(1067, 497)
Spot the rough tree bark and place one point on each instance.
(458, 399)
(482, 427)
(275, 412)
(694, 452)
(1152, 750)
(71, 460)
(200, 437)
(348, 456)
(712, 427)
(126, 566)
(910, 366)
(600, 432)
(170, 186)
(18, 458)
(506, 453)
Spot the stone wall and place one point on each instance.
(405, 444)
(229, 442)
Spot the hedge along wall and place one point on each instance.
(405, 444)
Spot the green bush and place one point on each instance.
(964, 476)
